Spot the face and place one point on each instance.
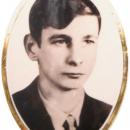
(67, 56)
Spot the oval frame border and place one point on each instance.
(4, 76)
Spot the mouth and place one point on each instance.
(73, 75)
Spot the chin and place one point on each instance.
(70, 86)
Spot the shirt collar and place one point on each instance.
(57, 115)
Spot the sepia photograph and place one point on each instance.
(65, 66)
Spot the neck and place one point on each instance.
(64, 99)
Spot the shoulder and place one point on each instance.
(30, 106)
(27, 100)
(97, 105)
(94, 113)
(26, 94)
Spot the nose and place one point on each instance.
(74, 57)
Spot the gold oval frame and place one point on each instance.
(4, 76)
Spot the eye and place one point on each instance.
(60, 42)
(88, 41)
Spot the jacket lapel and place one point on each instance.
(86, 117)
(41, 119)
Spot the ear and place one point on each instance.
(31, 47)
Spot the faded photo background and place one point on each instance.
(106, 78)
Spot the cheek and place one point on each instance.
(90, 53)
(52, 58)
(90, 59)
(92, 62)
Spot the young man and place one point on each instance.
(63, 40)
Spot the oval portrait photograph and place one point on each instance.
(64, 65)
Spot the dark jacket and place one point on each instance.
(33, 112)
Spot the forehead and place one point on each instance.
(80, 25)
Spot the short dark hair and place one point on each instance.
(57, 14)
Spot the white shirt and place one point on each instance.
(58, 116)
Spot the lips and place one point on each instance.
(73, 75)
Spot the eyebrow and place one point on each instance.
(89, 36)
(55, 36)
